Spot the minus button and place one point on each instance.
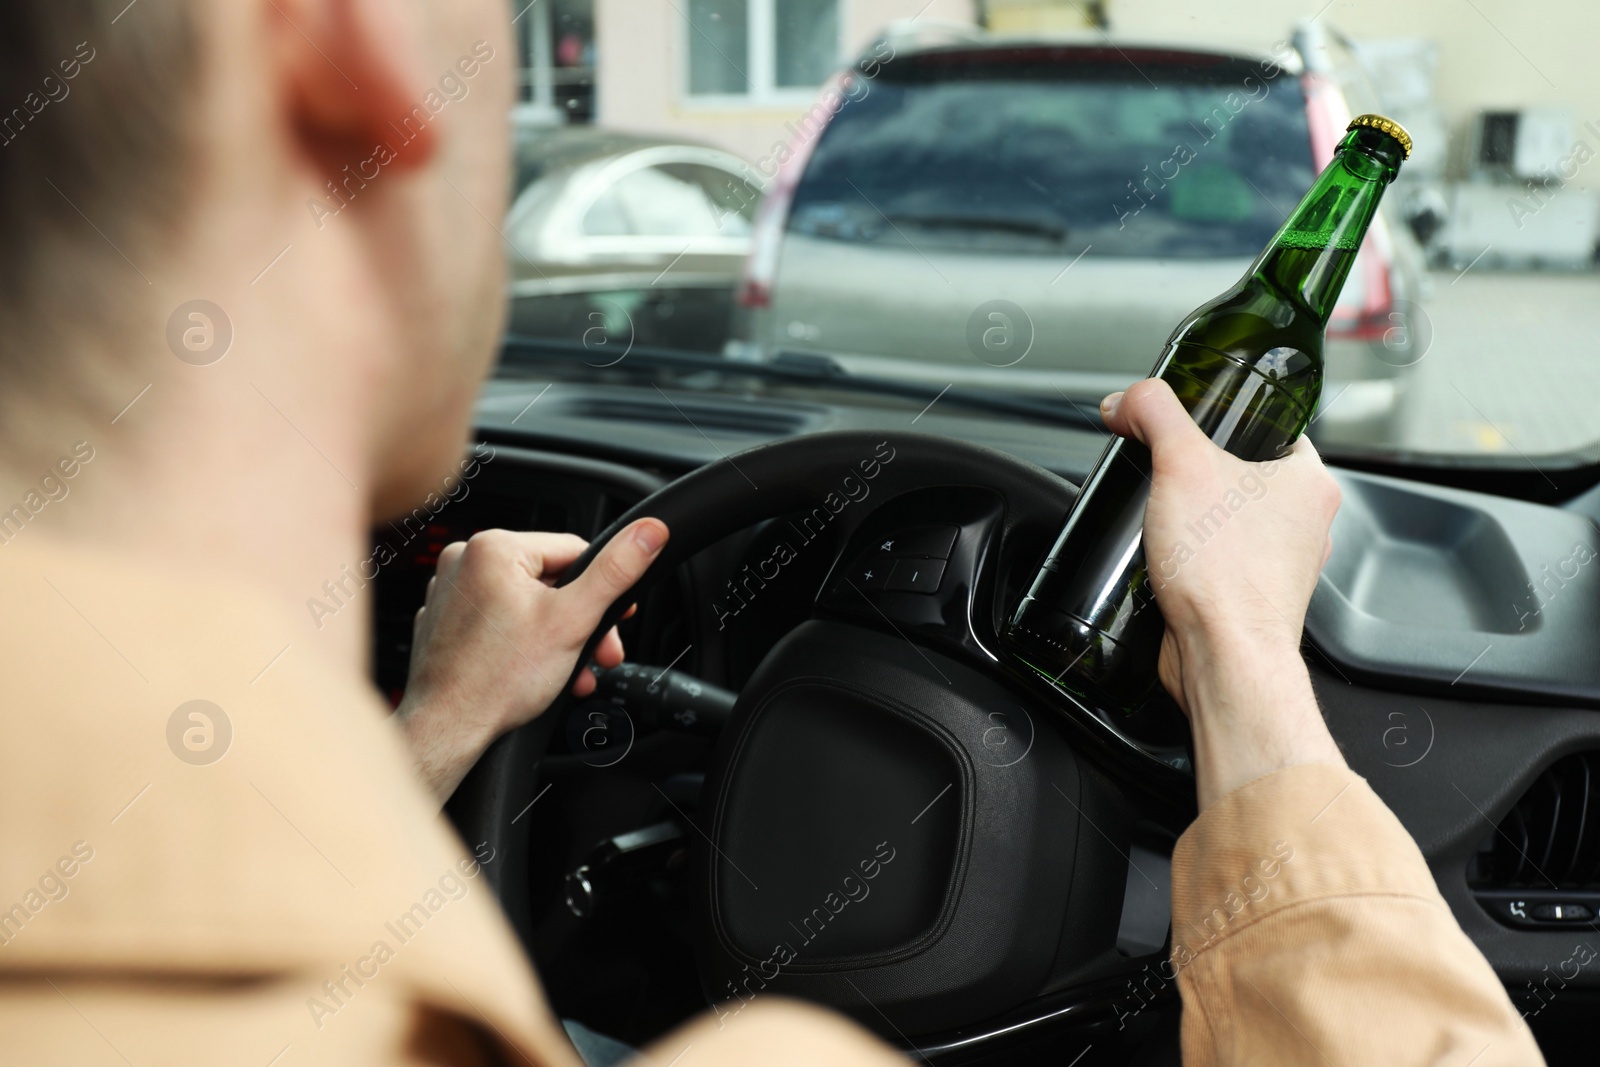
(916, 575)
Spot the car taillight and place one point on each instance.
(766, 233)
(1327, 115)
(766, 236)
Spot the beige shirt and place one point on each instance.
(285, 895)
(260, 880)
(1307, 929)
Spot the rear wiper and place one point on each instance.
(796, 368)
(1003, 223)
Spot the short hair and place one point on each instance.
(96, 98)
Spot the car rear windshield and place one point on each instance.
(1052, 151)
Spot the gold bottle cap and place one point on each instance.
(1388, 126)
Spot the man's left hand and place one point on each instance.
(495, 640)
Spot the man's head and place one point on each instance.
(328, 173)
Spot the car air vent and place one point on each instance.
(743, 418)
(1551, 839)
(1541, 865)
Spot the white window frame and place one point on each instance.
(761, 48)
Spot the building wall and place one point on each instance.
(642, 51)
(1493, 54)
(1039, 16)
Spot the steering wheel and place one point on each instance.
(898, 821)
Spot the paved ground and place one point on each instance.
(1514, 365)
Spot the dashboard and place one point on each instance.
(1452, 644)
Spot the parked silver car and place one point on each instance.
(617, 237)
(1038, 216)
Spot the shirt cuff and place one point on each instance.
(1304, 833)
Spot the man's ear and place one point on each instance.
(350, 71)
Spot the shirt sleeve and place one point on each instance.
(1307, 929)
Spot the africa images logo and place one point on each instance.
(199, 732)
(199, 333)
(53, 487)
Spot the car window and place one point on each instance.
(1047, 158)
(673, 200)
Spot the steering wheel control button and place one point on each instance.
(916, 575)
(933, 541)
(872, 575)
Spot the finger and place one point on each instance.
(585, 684)
(1109, 404)
(450, 558)
(1324, 486)
(541, 554)
(1327, 551)
(1305, 452)
(633, 609)
(609, 652)
(612, 573)
(1150, 412)
(551, 553)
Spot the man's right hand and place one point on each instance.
(1234, 601)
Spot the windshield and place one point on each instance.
(1024, 199)
(1052, 154)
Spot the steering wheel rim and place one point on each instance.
(732, 494)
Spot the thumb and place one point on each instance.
(1151, 413)
(612, 573)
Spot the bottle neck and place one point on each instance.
(1312, 254)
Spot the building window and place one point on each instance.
(806, 42)
(761, 49)
(555, 46)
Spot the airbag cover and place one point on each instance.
(891, 833)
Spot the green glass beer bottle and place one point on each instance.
(1248, 366)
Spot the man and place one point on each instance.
(252, 283)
